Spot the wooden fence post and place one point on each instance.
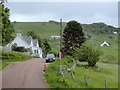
(72, 75)
(86, 82)
(61, 72)
(66, 70)
(105, 84)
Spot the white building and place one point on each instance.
(115, 33)
(104, 44)
(27, 42)
(55, 37)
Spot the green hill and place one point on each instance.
(47, 29)
(43, 29)
(98, 32)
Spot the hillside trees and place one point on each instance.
(7, 27)
(43, 43)
(46, 46)
(88, 53)
(73, 37)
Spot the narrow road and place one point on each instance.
(28, 74)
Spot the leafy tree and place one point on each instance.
(73, 37)
(7, 27)
(88, 53)
(34, 36)
(14, 46)
(46, 47)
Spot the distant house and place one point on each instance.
(26, 42)
(104, 44)
(55, 37)
(116, 33)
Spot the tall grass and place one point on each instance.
(12, 57)
(95, 76)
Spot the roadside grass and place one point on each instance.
(95, 76)
(3, 64)
(8, 57)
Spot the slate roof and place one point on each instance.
(28, 40)
(35, 42)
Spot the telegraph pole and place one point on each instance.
(60, 37)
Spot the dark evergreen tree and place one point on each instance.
(46, 47)
(7, 27)
(73, 37)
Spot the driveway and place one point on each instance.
(27, 74)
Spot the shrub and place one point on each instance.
(88, 53)
(14, 56)
(54, 79)
(19, 49)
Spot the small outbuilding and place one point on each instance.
(116, 33)
(104, 44)
(55, 37)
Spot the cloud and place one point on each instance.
(63, 0)
(105, 19)
(88, 12)
(31, 17)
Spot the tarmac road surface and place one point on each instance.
(27, 74)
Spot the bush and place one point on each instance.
(19, 49)
(54, 79)
(14, 56)
(88, 53)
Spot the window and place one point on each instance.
(37, 51)
(34, 51)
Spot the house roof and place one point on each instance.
(29, 40)
(35, 42)
(104, 43)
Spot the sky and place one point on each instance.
(83, 12)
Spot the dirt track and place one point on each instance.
(28, 74)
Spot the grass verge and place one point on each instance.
(12, 57)
(95, 77)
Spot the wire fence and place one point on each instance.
(64, 71)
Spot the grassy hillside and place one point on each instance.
(99, 32)
(43, 29)
(95, 76)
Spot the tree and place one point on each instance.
(34, 36)
(46, 47)
(88, 53)
(73, 37)
(7, 27)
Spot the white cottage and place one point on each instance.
(104, 44)
(27, 42)
(55, 37)
(116, 33)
